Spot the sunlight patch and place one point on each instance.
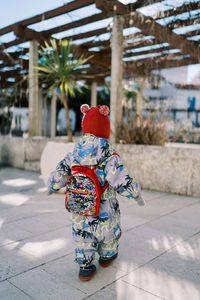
(18, 182)
(10, 244)
(42, 249)
(182, 248)
(186, 251)
(1, 222)
(42, 190)
(14, 199)
(159, 283)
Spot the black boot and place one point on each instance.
(86, 273)
(107, 261)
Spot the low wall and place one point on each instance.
(172, 168)
(18, 151)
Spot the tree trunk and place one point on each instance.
(69, 131)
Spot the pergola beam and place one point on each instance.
(13, 56)
(192, 33)
(48, 15)
(78, 23)
(30, 34)
(105, 43)
(87, 34)
(12, 73)
(182, 23)
(152, 51)
(173, 63)
(145, 66)
(141, 3)
(12, 43)
(141, 44)
(177, 10)
(149, 26)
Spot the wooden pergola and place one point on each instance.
(153, 42)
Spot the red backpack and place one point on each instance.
(83, 191)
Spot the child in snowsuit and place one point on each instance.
(97, 234)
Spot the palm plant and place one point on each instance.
(59, 67)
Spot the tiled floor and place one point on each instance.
(159, 255)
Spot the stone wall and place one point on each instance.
(173, 168)
(24, 153)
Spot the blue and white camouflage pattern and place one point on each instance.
(97, 234)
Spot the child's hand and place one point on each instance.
(140, 200)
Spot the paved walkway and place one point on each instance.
(159, 254)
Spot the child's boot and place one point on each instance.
(87, 272)
(107, 261)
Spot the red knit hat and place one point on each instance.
(96, 121)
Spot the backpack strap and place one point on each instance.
(79, 167)
(104, 187)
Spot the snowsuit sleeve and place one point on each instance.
(119, 178)
(58, 177)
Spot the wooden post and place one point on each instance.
(33, 90)
(53, 114)
(93, 94)
(44, 119)
(139, 102)
(116, 75)
(40, 105)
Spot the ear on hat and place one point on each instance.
(104, 110)
(85, 108)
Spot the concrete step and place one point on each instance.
(32, 165)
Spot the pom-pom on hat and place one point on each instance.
(96, 121)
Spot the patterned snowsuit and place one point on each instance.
(97, 234)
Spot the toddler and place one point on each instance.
(101, 233)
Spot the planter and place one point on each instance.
(173, 168)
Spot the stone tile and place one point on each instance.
(10, 292)
(32, 209)
(20, 181)
(43, 223)
(161, 206)
(137, 247)
(48, 246)
(189, 215)
(9, 200)
(153, 262)
(30, 226)
(182, 223)
(13, 262)
(174, 275)
(42, 285)
(122, 290)
(152, 195)
(147, 195)
(182, 261)
(11, 232)
(66, 270)
(17, 257)
(129, 221)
